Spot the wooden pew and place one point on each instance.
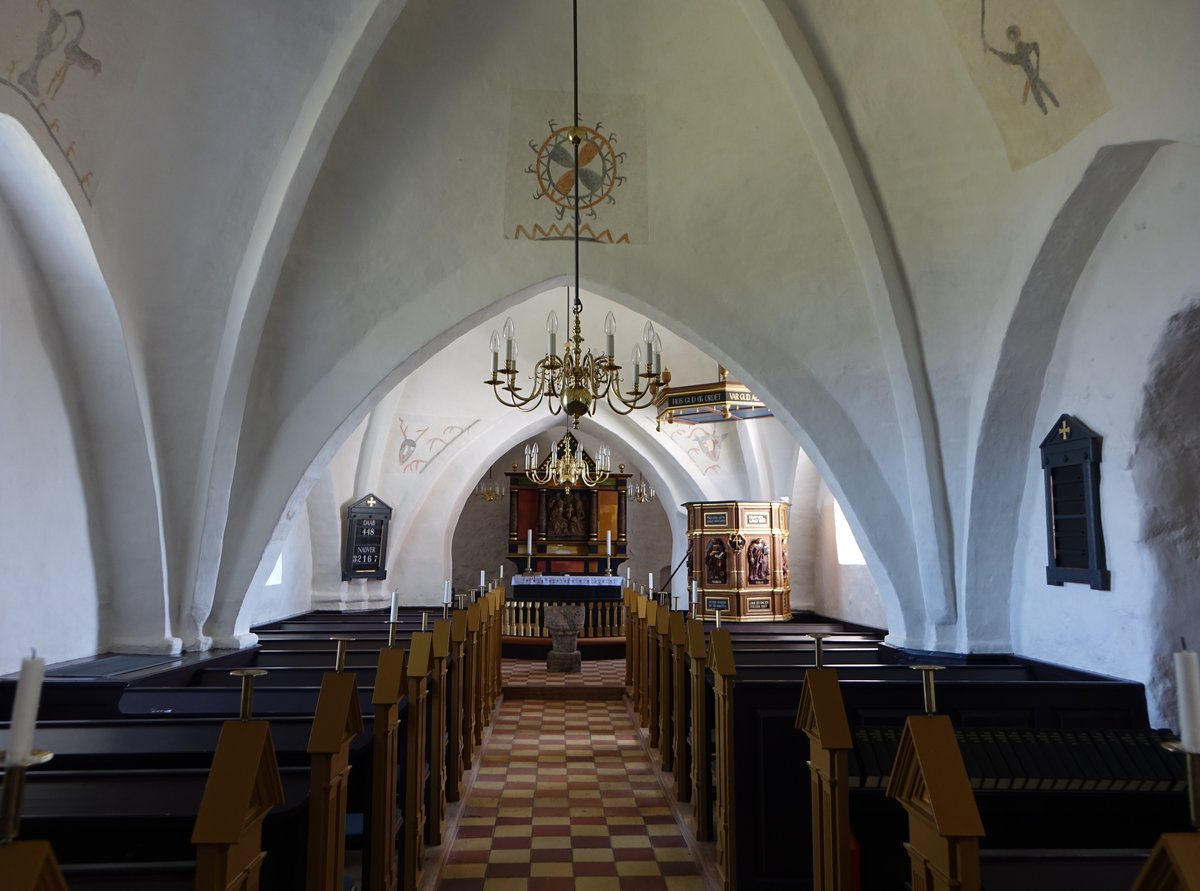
(650, 692)
(243, 786)
(417, 677)
(680, 707)
(662, 646)
(822, 717)
(458, 756)
(930, 781)
(438, 724)
(724, 671)
(701, 758)
(771, 790)
(382, 869)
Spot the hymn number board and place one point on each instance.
(366, 540)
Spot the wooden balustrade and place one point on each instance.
(527, 618)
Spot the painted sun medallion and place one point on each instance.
(554, 168)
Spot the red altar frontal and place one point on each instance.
(739, 559)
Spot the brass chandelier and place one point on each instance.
(488, 489)
(576, 382)
(568, 466)
(641, 492)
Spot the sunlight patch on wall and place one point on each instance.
(848, 552)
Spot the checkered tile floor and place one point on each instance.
(565, 798)
(532, 673)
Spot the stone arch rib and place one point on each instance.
(929, 513)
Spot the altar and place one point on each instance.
(527, 597)
(566, 588)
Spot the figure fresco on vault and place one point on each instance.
(1025, 55)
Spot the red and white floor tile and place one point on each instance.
(565, 797)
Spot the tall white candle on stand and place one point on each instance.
(695, 595)
(501, 570)
(1187, 688)
(446, 591)
(608, 542)
(651, 585)
(628, 572)
(482, 578)
(395, 606)
(25, 709)
(529, 542)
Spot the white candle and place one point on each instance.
(501, 570)
(25, 709)
(1187, 688)
(695, 593)
(651, 585)
(628, 572)
(395, 606)
(718, 619)
(482, 578)
(608, 542)
(446, 591)
(529, 542)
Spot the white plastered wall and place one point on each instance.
(1143, 271)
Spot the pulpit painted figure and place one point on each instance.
(714, 563)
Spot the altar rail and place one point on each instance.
(527, 619)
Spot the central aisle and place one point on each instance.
(565, 798)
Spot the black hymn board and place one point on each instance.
(366, 540)
(1075, 539)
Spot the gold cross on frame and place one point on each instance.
(1064, 431)
(371, 502)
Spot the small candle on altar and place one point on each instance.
(608, 542)
(395, 606)
(529, 541)
(25, 709)
(1187, 689)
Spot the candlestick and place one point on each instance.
(247, 675)
(339, 659)
(819, 653)
(391, 634)
(395, 607)
(927, 685)
(25, 708)
(445, 610)
(1187, 690)
(14, 790)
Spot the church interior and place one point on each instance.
(913, 302)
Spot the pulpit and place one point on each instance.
(739, 560)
